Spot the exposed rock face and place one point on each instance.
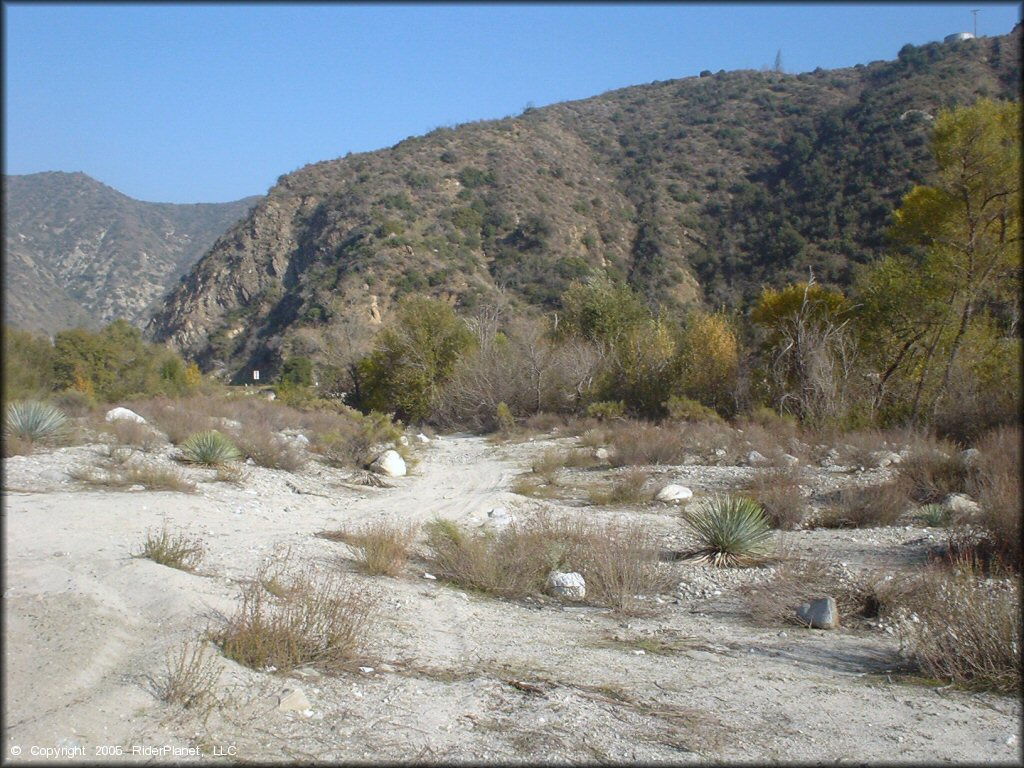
(77, 252)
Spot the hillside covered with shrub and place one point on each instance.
(691, 191)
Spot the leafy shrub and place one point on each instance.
(210, 449)
(190, 678)
(175, 550)
(685, 409)
(313, 619)
(732, 531)
(505, 421)
(34, 421)
(606, 410)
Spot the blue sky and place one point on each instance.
(208, 103)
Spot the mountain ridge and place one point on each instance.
(78, 252)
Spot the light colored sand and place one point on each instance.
(88, 627)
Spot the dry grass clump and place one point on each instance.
(867, 506)
(179, 419)
(639, 443)
(117, 473)
(312, 618)
(934, 469)
(799, 580)
(270, 450)
(618, 563)
(175, 550)
(627, 488)
(997, 484)
(132, 433)
(190, 678)
(349, 439)
(858, 448)
(382, 549)
(959, 626)
(778, 492)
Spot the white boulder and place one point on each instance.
(125, 414)
(674, 494)
(568, 586)
(389, 463)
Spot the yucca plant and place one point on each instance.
(209, 448)
(33, 420)
(934, 515)
(733, 531)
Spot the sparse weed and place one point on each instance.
(127, 432)
(998, 486)
(190, 678)
(175, 550)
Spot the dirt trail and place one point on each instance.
(448, 675)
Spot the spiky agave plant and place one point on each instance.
(33, 420)
(733, 531)
(209, 448)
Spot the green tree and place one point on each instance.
(601, 310)
(956, 261)
(27, 364)
(412, 357)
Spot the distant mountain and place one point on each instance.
(77, 252)
(695, 190)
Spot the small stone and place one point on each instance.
(602, 454)
(1011, 740)
(639, 652)
(430, 576)
(293, 700)
(960, 504)
(819, 614)
(569, 586)
(366, 670)
(790, 459)
(756, 457)
(421, 438)
(674, 494)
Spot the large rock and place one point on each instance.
(125, 414)
(959, 504)
(389, 463)
(499, 518)
(293, 700)
(819, 614)
(674, 494)
(568, 586)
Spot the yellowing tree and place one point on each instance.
(708, 360)
(957, 259)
